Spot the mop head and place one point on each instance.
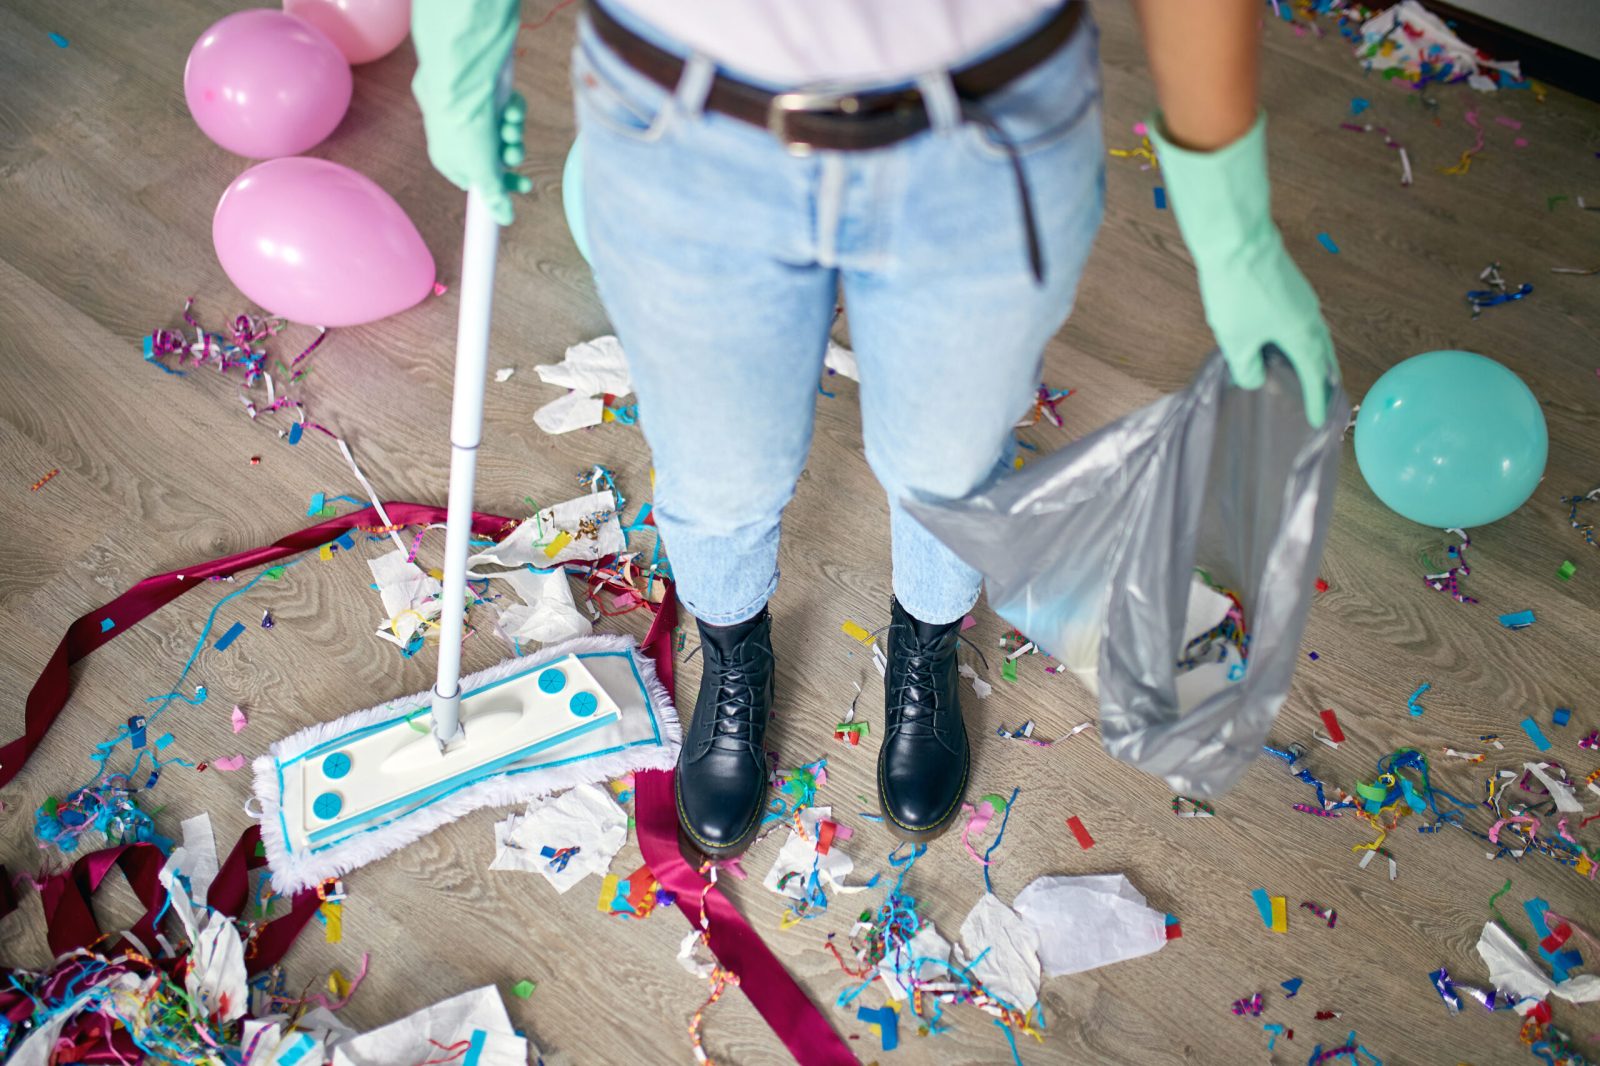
(317, 824)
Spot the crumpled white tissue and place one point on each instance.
(448, 1022)
(1010, 968)
(216, 978)
(547, 613)
(586, 817)
(525, 545)
(410, 595)
(799, 854)
(590, 370)
(1085, 922)
(308, 1043)
(196, 858)
(1510, 968)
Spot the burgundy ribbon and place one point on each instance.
(737, 946)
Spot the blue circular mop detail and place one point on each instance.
(552, 681)
(336, 765)
(328, 805)
(583, 704)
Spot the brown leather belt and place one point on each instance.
(840, 121)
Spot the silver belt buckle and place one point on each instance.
(811, 103)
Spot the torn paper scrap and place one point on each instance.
(1009, 950)
(309, 1041)
(410, 596)
(589, 523)
(1086, 922)
(980, 687)
(841, 361)
(503, 375)
(547, 613)
(199, 862)
(476, 1019)
(592, 368)
(1565, 798)
(1510, 968)
(567, 413)
(585, 817)
(798, 858)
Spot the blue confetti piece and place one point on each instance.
(107, 625)
(347, 542)
(887, 1021)
(1535, 734)
(1161, 198)
(318, 502)
(1327, 242)
(163, 740)
(1359, 104)
(1517, 620)
(295, 431)
(1264, 905)
(1560, 716)
(1291, 987)
(58, 40)
(229, 637)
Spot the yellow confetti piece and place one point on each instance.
(333, 917)
(606, 415)
(608, 892)
(436, 574)
(1280, 915)
(855, 632)
(553, 549)
(325, 552)
(338, 986)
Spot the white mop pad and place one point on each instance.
(635, 728)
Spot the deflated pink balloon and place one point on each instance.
(318, 243)
(264, 84)
(363, 30)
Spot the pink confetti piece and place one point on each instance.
(440, 288)
(239, 719)
(1521, 142)
(228, 763)
(1508, 123)
(1140, 129)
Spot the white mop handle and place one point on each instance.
(466, 431)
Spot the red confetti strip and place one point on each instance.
(1331, 720)
(1085, 841)
(37, 485)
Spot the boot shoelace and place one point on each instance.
(737, 695)
(921, 667)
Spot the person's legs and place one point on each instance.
(949, 326)
(701, 232)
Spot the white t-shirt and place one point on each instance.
(797, 42)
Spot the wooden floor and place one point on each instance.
(106, 191)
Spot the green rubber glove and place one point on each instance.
(461, 47)
(1253, 293)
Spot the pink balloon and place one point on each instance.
(263, 84)
(318, 243)
(363, 30)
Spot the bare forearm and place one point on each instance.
(1205, 58)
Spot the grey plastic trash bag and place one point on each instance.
(1093, 548)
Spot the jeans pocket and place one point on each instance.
(1045, 105)
(614, 96)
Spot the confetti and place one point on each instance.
(1327, 914)
(1085, 841)
(1535, 734)
(37, 485)
(1561, 716)
(856, 632)
(1566, 570)
(1331, 721)
(59, 41)
(1497, 293)
(1517, 620)
(1291, 987)
(1160, 197)
(239, 719)
(229, 637)
(1448, 581)
(229, 763)
(1412, 705)
(1327, 243)
(1253, 1006)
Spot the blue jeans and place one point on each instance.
(719, 255)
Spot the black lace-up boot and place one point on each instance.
(722, 767)
(922, 766)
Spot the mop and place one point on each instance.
(344, 793)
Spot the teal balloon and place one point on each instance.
(1451, 439)
(572, 198)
